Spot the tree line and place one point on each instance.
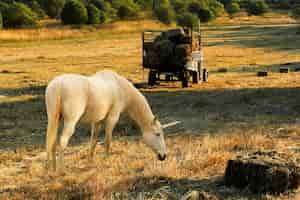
(26, 13)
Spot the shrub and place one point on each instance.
(35, 6)
(165, 14)
(256, 7)
(205, 15)
(125, 11)
(284, 4)
(101, 4)
(145, 4)
(195, 7)
(106, 10)
(1, 21)
(296, 12)
(233, 8)
(202, 10)
(225, 2)
(74, 12)
(102, 17)
(188, 20)
(93, 14)
(164, 3)
(217, 8)
(3, 7)
(179, 6)
(19, 15)
(52, 8)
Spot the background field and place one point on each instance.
(234, 113)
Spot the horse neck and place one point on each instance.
(139, 109)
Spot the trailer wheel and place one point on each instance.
(185, 79)
(152, 78)
(195, 77)
(205, 75)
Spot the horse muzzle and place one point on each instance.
(161, 157)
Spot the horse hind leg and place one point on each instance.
(53, 123)
(95, 131)
(68, 131)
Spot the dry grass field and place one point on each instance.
(234, 113)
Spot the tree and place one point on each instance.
(93, 14)
(1, 21)
(165, 14)
(53, 8)
(188, 20)
(126, 11)
(19, 15)
(74, 12)
(233, 8)
(256, 7)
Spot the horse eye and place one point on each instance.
(157, 134)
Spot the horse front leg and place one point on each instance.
(95, 130)
(111, 122)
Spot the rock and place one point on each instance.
(263, 172)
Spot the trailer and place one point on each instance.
(173, 67)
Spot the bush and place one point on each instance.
(165, 14)
(256, 7)
(145, 4)
(202, 10)
(102, 17)
(3, 7)
(205, 15)
(106, 10)
(217, 8)
(233, 8)
(19, 15)
(179, 6)
(284, 4)
(225, 2)
(101, 5)
(188, 20)
(296, 12)
(1, 21)
(93, 14)
(125, 11)
(195, 7)
(74, 12)
(35, 6)
(52, 8)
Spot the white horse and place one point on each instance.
(93, 99)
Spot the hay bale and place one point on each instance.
(263, 172)
(186, 40)
(164, 50)
(183, 51)
(151, 59)
(174, 33)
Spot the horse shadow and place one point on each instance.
(24, 121)
(161, 187)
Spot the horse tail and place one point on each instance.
(53, 106)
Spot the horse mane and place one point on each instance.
(138, 107)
